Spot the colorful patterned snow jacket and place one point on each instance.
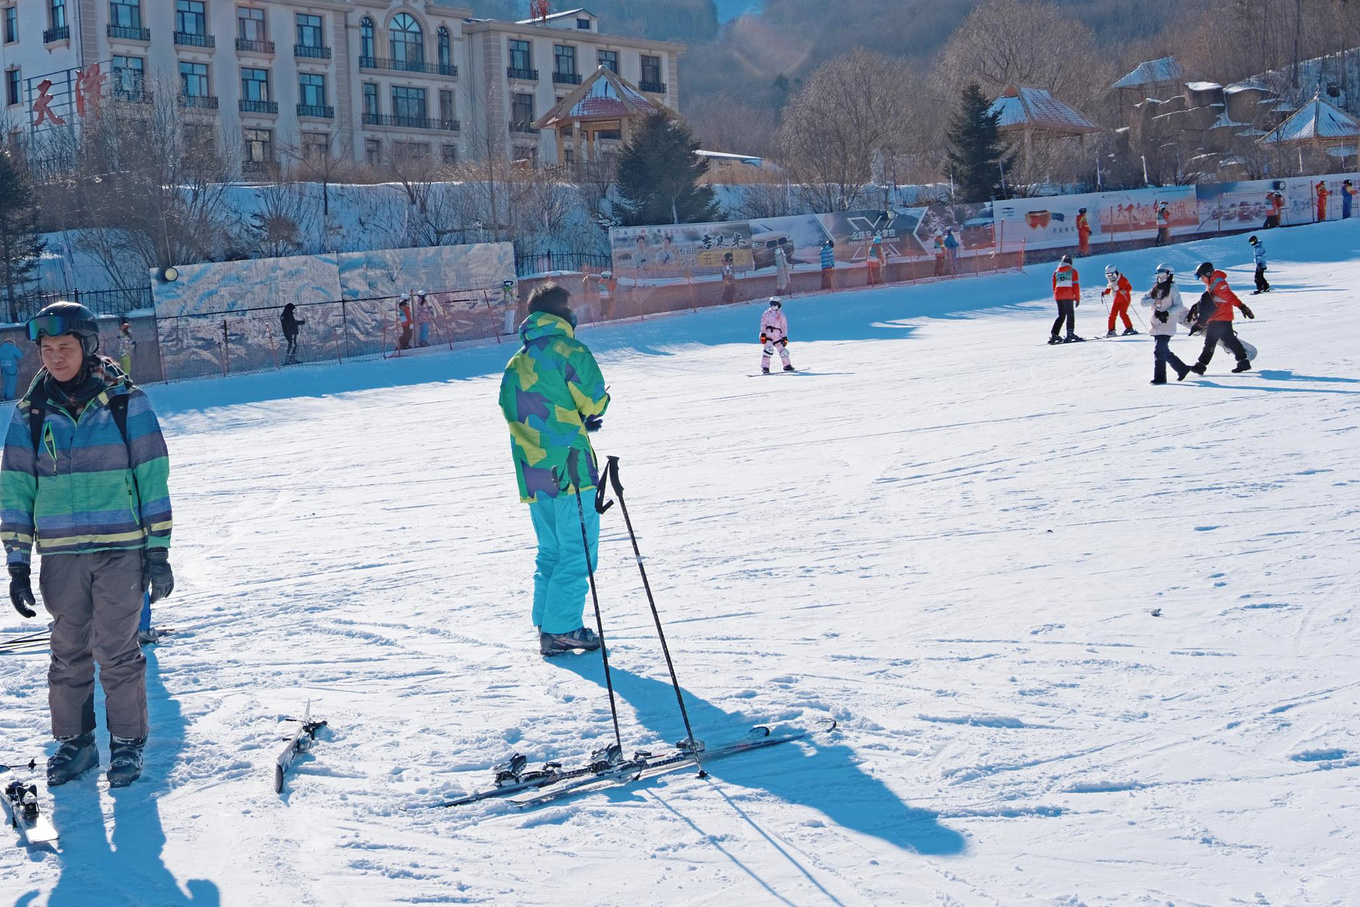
(79, 491)
(550, 386)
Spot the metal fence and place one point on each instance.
(544, 262)
(220, 343)
(101, 302)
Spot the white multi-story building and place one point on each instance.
(362, 79)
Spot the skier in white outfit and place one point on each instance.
(774, 334)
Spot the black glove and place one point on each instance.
(21, 590)
(1163, 317)
(156, 573)
(784, 342)
(593, 423)
(1248, 312)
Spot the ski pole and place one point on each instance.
(573, 461)
(612, 473)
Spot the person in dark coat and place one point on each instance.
(291, 323)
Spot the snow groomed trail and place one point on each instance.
(950, 538)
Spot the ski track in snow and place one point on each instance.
(951, 539)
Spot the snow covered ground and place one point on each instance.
(944, 533)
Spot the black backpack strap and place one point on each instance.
(37, 412)
(118, 406)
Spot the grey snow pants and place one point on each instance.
(95, 601)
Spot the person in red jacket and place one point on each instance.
(1275, 204)
(1322, 194)
(1118, 293)
(1067, 294)
(1219, 327)
(1083, 233)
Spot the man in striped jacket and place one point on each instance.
(84, 474)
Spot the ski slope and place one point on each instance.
(945, 534)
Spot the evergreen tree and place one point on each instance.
(20, 244)
(659, 176)
(976, 153)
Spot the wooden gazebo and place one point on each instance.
(604, 106)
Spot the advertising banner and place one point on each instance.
(646, 254)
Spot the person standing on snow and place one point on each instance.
(1163, 224)
(781, 272)
(552, 395)
(1067, 294)
(951, 250)
(828, 262)
(127, 347)
(1219, 327)
(1347, 197)
(1322, 194)
(85, 474)
(1083, 233)
(405, 321)
(939, 254)
(1167, 311)
(290, 322)
(424, 318)
(1258, 250)
(729, 280)
(10, 357)
(1275, 203)
(1118, 292)
(774, 334)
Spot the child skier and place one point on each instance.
(774, 333)
(1167, 311)
(1118, 292)
(1258, 249)
(1067, 294)
(1221, 300)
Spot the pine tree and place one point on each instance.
(976, 154)
(659, 176)
(20, 244)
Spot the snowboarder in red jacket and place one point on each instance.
(1221, 301)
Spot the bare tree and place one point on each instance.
(284, 222)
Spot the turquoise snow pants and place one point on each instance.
(560, 579)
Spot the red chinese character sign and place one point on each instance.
(59, 98)
(89, 85)
(42, 106)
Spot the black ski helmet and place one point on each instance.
(62, 318)
(1204, 270)
(1252, 240)
(1066, 259)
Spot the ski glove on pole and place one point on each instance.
(21, 590)
(156, 573)
(1248, 312)
(593, 423)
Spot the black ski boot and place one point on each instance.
(125, 760)
(1073, 338)
(1129, 332)
(789, 368)
(1243, 366)
(75, 757)
(1054, 338)
(584, 638)
(1110, 333)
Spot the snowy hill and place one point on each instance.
(944, 533)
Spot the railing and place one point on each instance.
(135, 95)
(190, 39)
(409, 122)
(543, 262)
(198, 101)
(312, 51)
(255, 47)
(523, 126)
(653, 87)
(566, 78)
(249, 106)
(312, 110)
(129, 33)
(432, 69)
(51, 35)
(527, 75)
(101, 302)
(258, 167)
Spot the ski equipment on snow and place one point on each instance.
(21, 807)
(301, 742)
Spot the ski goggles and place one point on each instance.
(52, 326)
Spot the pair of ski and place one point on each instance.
(36, 642)
(301, 742)
(21, 809)
(609, 767)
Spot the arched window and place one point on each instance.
(366, 49)
(445, 48)
(408, 43)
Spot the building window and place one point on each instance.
(609, 59)
(255, 85)
(11, 87)
(568, 157)
(193, 79)
(309, 31)
(410, 151)
(366, 42)
(316, 146)
(373, 151)
(651, 70)
(406, 40)
(311, 89)
(125, 13)
(370, 99)
(408, 105)
(191, 18)
(11, 24)
(564, 60)
(250, 26)
(446, 108)
(57, 13)
(448, 154)
(583, 24)
(445, 48)
(199, 140)
(129, 78)
(258, 148)
(521, 111)
(520, 58)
